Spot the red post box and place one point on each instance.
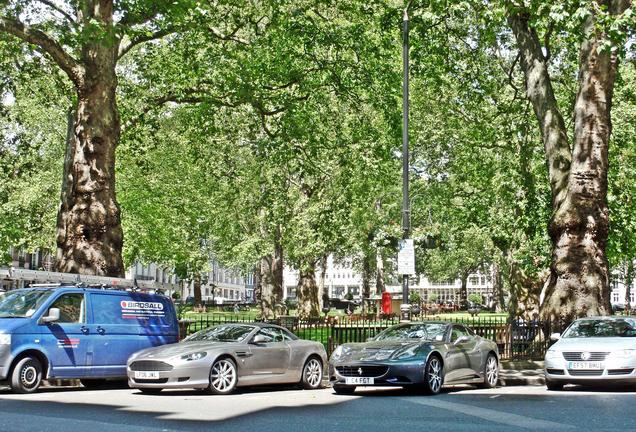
(386, 303)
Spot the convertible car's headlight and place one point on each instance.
(5, 339)
(552, 354)
(194, 356)
(623, 354)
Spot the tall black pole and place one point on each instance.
(406, 211)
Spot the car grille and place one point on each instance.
(362, 371)
(151, 381)
(576, 356)
(149, 365)
(619, 371)
(585, 372)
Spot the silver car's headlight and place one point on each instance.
(552, 354)
(5, 339)
(623, 354)
(194, 356)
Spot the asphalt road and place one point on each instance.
(286, 409)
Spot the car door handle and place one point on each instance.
(84, 329)
(101, 330)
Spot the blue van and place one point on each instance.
(74, 332)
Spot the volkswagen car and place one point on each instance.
(421, 355)
(221, 358)
(596, 350)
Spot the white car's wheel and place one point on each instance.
(312, 374)
(223, 376)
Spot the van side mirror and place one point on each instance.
(555, 337)
(54, 315)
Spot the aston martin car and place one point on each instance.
(597, 350)
(421, 355)
(221, 358)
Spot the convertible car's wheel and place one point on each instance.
(491, 372)
(223, 376)
(344, 390)
(554, 386)
(312, 374)
(26, 376)
(433, 375)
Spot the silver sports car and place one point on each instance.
(424, 355)
(596, 350)
(221, 358)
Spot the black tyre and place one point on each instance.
(223, 376)
(150, 391)
(93, 383)
(344, 390)
(433, 375)
(491, 372)
(554, 386)
(312, 374)
(26, 376)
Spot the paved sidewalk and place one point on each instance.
(521, 373)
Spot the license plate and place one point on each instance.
(359, 380)
(146, 375)
(585, 365)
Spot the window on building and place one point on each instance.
(615, 297)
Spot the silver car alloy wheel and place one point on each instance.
(28, 376)
(223, 376)
(434, 375)
(313, 372)
(492, 371)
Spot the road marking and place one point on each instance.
(490, 415)
(495, 396)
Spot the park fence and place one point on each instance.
(517, 339)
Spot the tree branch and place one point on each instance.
(37, 37)
(59, 10)
(144, 38)
(228, 37)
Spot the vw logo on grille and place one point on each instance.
(585, 355)
(359, 371)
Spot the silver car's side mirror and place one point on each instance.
(462, 339)
(54, 315)
(258, 339)
(555, 336)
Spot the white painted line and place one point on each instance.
(505, 418)
(495, 396)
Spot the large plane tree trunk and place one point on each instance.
(271, 282)
(579, 283)
(307, 291)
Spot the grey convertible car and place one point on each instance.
(423, 355)
(221, 358)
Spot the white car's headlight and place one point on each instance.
(194, 356)
(5, 339)
(552, 354)
(623, 354)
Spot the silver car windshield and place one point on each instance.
(22, 303)
(222, 333)
(428, 331)
(602, 328)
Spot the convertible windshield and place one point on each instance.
(430, 331)
(602, 328)
(22, 303)
(222, 333)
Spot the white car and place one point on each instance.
(594, 350)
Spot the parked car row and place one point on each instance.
(96, 335)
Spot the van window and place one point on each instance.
(22, 303)
(130, 309)
(71, 308)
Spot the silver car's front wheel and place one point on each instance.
(312, 374)
(491, 372)
(223, 376)
(434, 375)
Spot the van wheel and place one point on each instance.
(27, 375)
(93, 383)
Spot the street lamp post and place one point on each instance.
(405, 309)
